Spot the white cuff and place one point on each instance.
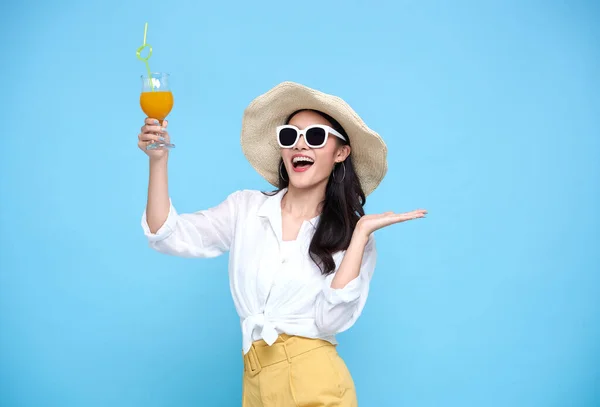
(165, 230)
(351, 292)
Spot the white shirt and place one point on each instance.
(275, 285)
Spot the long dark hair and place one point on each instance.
(341, 209)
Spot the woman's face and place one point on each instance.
(303, 174)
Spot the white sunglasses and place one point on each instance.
(315, 135)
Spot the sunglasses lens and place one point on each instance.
(315, 136)
(287, 137)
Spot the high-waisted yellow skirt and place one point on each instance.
(296, 372)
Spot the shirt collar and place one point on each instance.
(272, 205)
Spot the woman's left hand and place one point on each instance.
(370, 223)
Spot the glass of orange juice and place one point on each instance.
(156, 101)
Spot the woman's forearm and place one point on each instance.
(350, 267)
(158, 205)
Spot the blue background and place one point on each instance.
(491, 112)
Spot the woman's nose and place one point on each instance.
(301, 144)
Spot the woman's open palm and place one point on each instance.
(370, 223)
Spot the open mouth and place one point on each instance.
(302, 163)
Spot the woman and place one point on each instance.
(301, 258)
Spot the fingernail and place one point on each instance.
(162, 129)
(161, 138)
(155, 122)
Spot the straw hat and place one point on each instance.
(272, 109)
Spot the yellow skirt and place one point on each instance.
(296, 372)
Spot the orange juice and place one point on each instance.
(156, 105)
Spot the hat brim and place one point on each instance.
(267, 111)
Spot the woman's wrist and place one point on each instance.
(159, 161)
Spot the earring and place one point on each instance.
(343, 176)
(281, 173)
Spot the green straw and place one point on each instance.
(145, 60)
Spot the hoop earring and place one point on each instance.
(281, 173)
(343, 176)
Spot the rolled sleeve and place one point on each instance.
(206, 233)
(165, 230)
(351, 292)
(337, 309)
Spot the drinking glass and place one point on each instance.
(156, 101)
